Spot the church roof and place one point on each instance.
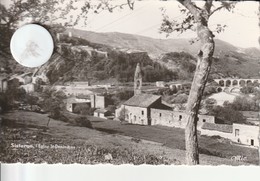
(142, 100)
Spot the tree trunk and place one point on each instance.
(204, 61)
(259, 103)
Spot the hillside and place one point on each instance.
(80, 60)
(229, 61)
(155, 46)
(100, 56)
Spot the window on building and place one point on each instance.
(180, 117)
(142, 112)
(134, 118)
(236, 132)
(160, 114)
(252, 142)
(204, 120)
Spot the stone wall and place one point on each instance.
(176, 118)
(168, 118)
(133, 115)
(136, 115)
(216, 133)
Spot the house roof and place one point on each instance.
(101, 110)
(218, 127)
(142, 100)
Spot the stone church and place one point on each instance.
(148, 109)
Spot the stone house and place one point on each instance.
(148, 109)
(137, 110)
(246, 134)
(160, 84)
(239, 133)
(72, 102)
(102, 113)
(98, 101)
(176, 118)
(29, 88)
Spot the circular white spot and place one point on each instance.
(31, 45)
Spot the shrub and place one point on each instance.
(83, 121)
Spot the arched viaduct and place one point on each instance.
(232, 84)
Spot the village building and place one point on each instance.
(29, 88)
(102, 113)
(72, 102)
(148, 109)
(240, 133)
(78, 84)
(246, 134)
(3, 84)
(24, 78)
(160, 84)
(137, 110)
(176, 118)
(98, 101)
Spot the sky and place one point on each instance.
(242, 25)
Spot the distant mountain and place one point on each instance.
(229, 61)
(154, 47)
(254, 52)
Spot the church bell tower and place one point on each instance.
(138, 80)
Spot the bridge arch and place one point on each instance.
(221, 83)
(219, 89)
(242, 83)
(249, 83)
(255, 83)
(228, 83)
(234, 83)
(235, 89)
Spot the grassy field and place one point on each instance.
(174, 138)
(142, 144)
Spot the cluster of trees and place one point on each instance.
(122, 66)
(245, 103)
(249, 89)
(83, 109)
(120, 96)
(226, 114)
(52, 102)
(185, 62)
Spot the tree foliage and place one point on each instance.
(227, 114)
(52, 102)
